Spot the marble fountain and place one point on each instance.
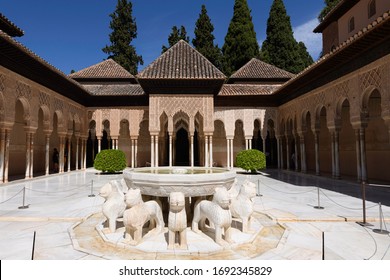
(180, 210)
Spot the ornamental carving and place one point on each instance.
(23, 90)
(370, 78)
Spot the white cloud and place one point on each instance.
(313, 41)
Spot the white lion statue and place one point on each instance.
(217, 212)
(138, 214)
(242, 205)
(114, 204)
(177, 220)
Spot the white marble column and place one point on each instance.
(227, 153)
(69, 153)
(152, 151)
(47, 154)
(206, 151)
(99, 144)
(170, 150)
(192, 150)
(303, 154)
(287, 153)
(332, 138)
(31, 171)
(132, 153)
(337, 154)
(317, 152)
(2, 155)
(278, 151)
(156, 153)
(264, 146)
(231, 154)
(135, 152)
(85, 153)
(281, 153)
(363, 154)
(77, 153)
(6, 154)
(296, 140)
(211, 150)
(62, 153)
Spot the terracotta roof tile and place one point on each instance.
(247, 89)
(115, 90)
(107, 69)
(257, 69)
(181, 61)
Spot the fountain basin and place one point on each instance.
(192, 181)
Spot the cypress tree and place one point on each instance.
(330, 4)
(280, 48)
(240, 42)
(204, 39)
(175, 36)
(124, 30)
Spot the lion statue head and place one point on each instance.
(221, 197)
(176, 201)
(248, 189)
(133, 197)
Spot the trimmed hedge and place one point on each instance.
(251, 160)
(110, 161)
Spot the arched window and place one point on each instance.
(371, 8)
(351, 24)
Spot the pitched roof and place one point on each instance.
(181, 61)
(246, 89)
(9, 27)
(115, 90)
(257, 69)
(107, 69)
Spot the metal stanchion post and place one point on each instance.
(24, 206)
(380, 230)
(91, 195)
(318, 194)
(258, 188)
(364, 223)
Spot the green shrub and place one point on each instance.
(251, 160)
(110, 161)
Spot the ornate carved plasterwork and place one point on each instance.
(370, 78)
(23, 90)
(2, 83)
(44, 99)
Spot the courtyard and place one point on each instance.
(64, 212)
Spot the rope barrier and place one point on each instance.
(288, 192)
(12, 196)
(350, 208)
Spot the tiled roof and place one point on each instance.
(115, 90)
(107, 69)
(181, 61)
(9, 27)
(246, 89)
(257, 69)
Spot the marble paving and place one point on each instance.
(64, 212)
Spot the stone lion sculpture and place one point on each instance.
(138, 214)
(217, 212)
(177, 220)
(114, 205)
(242, 205)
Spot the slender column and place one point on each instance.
(296, 153)
(77, 152)
(281, 153)
(85, 154)
(211, 150)
(135, 152)
(69, 153)
(47, 154)
(28, 154)
(231, 154)
(6, 155)
(278, 148)
(99, 144)
(31, 171)
(156, 151)
(264, 147)
(93, 148)
(2, 151)
(363, 154)
(227, 153)
(132, 153)
(303, 154)
(152, 151)
(333, 154)
(170, 149)
(337, 154)
(358, 156)
(317, 152)
(206, 151)
(287, 153)
(192, 150)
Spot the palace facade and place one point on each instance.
(332, 119)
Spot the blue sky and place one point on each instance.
(70, 34)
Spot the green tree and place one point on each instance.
(280, 47)
(330, 4)
(240, 42)
(175, 36)
(204, 39)
(124, 30)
